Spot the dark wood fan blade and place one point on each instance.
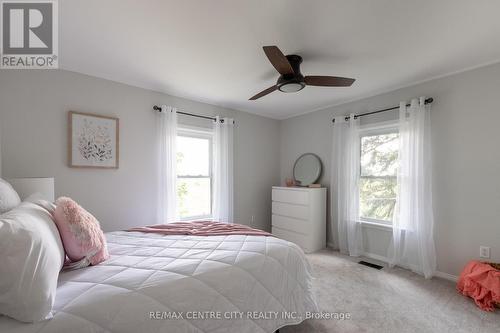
(278, 60)
(263, 93)
(328, 81)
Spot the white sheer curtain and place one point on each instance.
(413, 241)
(345, 189)
(167, 165)
(222, 208)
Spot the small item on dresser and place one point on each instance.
(307, 169)
(315, 185)
(290, 182)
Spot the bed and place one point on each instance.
(173, 283)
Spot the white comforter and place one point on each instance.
(156, 283)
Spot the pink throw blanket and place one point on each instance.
(481, 282)
(201, 228)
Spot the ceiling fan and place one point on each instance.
(291, 80)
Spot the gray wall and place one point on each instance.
(466, 160)
(465, 118)
(33, 132)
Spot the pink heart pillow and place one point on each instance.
(82, 237)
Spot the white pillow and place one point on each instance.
(32, 255)
(8, 197)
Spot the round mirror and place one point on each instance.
(307, 169)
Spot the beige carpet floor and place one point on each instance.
(389, 300)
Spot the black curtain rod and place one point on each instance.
(427, 101)
(157, 108)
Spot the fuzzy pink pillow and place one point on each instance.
(82, 237)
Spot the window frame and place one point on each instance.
(381, 128)
(199, 133)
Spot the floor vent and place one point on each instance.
(369, 264)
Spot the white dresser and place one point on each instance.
(299, 216)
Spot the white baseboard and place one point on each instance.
(442, 275)
(446, 276)
(376, 257)
(438, 274)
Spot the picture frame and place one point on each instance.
(93, 141)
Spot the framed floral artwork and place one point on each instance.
(93, 141)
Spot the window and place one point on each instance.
(378, 174)
(194, 174)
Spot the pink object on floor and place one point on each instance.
(481, 282)
(201, 228)
(83, 239)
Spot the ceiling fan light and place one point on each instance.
(291, 87)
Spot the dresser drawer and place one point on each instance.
(291, 196)
(286, 209)
(291, 237)
(291, 224)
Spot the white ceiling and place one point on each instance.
(211, 51)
